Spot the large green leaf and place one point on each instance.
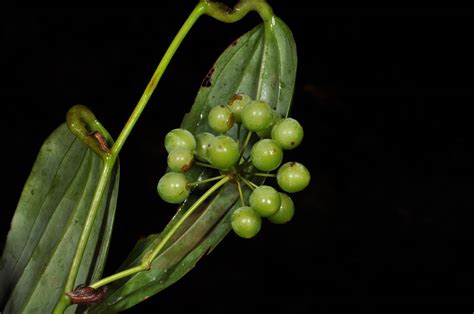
(47, 225)
(261, 64)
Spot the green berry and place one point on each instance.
(257, 116)
(237, 104)
(223, 152)
(173, 187)
(285, 212)
(288, 133)
(265, 200)
(221, 118)
(267, 133)
(179, 138)
(266, 155)
(203, 142)
(293, 177)
(245, 222)
(180, 159)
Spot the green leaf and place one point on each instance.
(261, 64)
(47, 224)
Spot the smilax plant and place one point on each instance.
(226, 170)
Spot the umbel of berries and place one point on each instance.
(251, 158)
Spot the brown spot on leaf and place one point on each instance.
(207, 80)
(292, 143)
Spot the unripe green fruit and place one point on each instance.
(221, 118)
(285, 212)
(265, 200)
(293, 177)
(180, 159)
(237, 103)
(179, 138)
(257, 116)
(245, 222)
(288, 133)
(266, 155)
(173, 187)
(223, 152)
(203, 142)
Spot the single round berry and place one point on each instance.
(267, 133)
(266, 155)
(288, 133)
(180, 159)
(265, 200)
(293, 177)
(245, 222)
(203, 142)
(179, 138)
(257, 116)
(173, 187)
(237, 104)
(221, 118)
(285, 212)
(223, 152)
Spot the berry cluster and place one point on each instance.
(218, 150)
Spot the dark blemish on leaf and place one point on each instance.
(207, 80)
(292, 143)
(87, 295)
(234, 43)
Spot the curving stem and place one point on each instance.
(82, 122)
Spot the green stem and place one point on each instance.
(261, 174)
(242, 202)
(250, 184)
(84, 117)
(199, 10)
(146, 263)
(108, 166)
(206, 180)
(239, 128)
(109, 157)
(244, 145)
(202, 164)
(225, 14)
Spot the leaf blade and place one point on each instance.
(252, 65)
(47, 224)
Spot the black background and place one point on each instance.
(385, 98)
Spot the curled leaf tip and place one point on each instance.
(83, 124)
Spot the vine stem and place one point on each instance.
(250, 184)
(262, 174)
(202, 164)
(146, 263)
(206, 180)
(244, 145)
(215, 10)
(241, 194)
(109, 161)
